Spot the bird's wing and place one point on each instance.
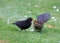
(43, 18)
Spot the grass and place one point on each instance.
(15, 10)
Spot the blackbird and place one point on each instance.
(24, 24)
(41, 19)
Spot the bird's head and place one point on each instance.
(29, 19)
(35, 22)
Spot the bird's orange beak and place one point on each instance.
(34, 19)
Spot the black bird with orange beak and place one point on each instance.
(25, 24)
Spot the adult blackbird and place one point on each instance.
(25, 24)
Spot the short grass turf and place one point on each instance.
(14, 10)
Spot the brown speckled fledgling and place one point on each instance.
(38, 27)
(41, 19)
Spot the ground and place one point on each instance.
(14, 10)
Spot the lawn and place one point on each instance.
(14, 10)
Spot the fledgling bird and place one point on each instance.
(25, 24)
(41, 19)
(37, 26)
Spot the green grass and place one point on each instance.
(16, 10)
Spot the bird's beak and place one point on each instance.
(34, 19)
